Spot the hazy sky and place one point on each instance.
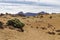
(14, 6)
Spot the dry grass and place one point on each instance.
(32, 29)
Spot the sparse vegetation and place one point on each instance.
(49, 25)
(43, 28)
(1, 14)
(24, 18)
(50, 17)
(34, 16)
(51, 33)
(27, 20)
(41, 16)
(28, 17)
(16, 23)
(34, 26)
(37, 27)
(1, 25)
(58, 33)
(57, 30)
(31, 26)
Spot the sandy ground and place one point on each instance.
(33, 28)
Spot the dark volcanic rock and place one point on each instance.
(30, 14)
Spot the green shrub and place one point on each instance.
(1, 24)
(16, 23)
